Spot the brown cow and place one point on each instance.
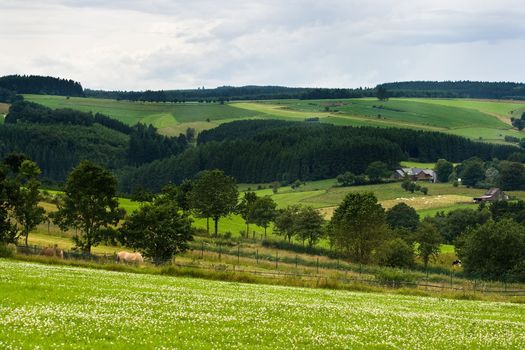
(127, 257)
(53, 251)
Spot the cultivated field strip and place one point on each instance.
(51, 307)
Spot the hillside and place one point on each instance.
(488, 120)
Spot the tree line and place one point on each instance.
(42, 85)
(456, 89)
(265, 151)
(231, 93)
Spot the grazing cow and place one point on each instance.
(127, 257)
(53, 251)
(456, 262)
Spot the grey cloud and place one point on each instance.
(179, 44)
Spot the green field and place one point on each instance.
(476, 119)
(169, 118)
(48, 307)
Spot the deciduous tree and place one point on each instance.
(89, 204)
(358, 226)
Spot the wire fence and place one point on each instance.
(340, 277)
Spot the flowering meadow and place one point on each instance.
(57, 307)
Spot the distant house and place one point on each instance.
(492, 195)
(415, 174)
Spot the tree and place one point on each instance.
(358, 225)
(214, 195)
(428, 241)
(89, 204)
(158, 230)
(8, 190)
(461, 220)
(346, 179)
(190, 134)
(518, 124)
(285, 221)
(473, 172)
(382, 93)
(179, 194)
(27, 212)
(395, 253)
(402, 215)
(244, 208)
(512, 176)
(494, 250)
(263, 212)
(309, 225)
(376, 171)
(275, 186)
(443, 169)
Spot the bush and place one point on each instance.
(395, 253)
(395, 277)
(7, 250)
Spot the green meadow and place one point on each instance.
(50, 306)
(485, 120)
(169, 118)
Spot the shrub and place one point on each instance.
(395, 253)
(7, 250)
(395, 277)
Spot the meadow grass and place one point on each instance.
(169, 118)
(487, 120)
(51, 306)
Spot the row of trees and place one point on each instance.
(455, 89)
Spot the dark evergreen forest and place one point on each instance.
(58, 139)
(35, 84)
(262, 151)
(456, 89)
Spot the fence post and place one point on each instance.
(317, 264)
(220, 252)
(296, 261)
(202, 250)
(276, 259)
(257, 256)
(238, 254)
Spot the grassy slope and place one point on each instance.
(69, 307)
(488, 120)
(475, 119)
(169, 118)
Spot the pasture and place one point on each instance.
(169, 118)
(48, 306)
(486, 120)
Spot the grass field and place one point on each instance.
(46, 306)
(169, 118)
(476, 119)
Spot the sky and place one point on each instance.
(163, 44)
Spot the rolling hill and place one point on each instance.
(487, 120)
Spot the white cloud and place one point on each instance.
(177, 44)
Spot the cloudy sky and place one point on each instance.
(161, 44)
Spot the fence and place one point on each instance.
(341, 278)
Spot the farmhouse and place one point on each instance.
(415, 174)
(492, 195)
